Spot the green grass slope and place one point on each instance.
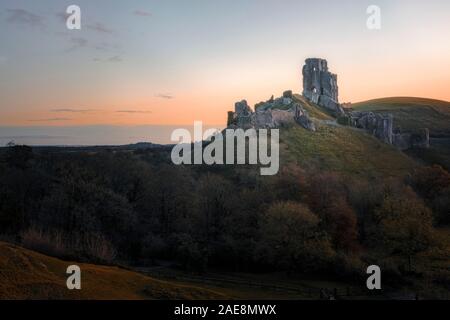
(313, 110)
(25, 274)
(413, 113)
(343, 149)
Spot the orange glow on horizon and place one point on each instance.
(204, 101)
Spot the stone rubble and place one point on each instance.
(273, 113)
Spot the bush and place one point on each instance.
(49, 243)
(349, 266)
(343, 120)
(433, 184)
(97, 248)
(403, 225)
(89, 247)
(327, 196)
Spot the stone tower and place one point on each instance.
(320, 85)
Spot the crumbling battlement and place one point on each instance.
(273, 113)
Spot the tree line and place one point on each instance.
(135, 206)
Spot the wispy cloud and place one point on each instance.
(62, 16)
(77, 42)
(142, 13)
(133, 111)
(99, 27)
(24, 17)
(42, 136)
(50, 119)
(115, 59)
(83, 42)
(80, 42)
(72, 110)
(62, 34)
(95, 26)
(105, 46)
(110, 59)
(164, 96)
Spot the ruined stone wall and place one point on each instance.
(273, 113)
(381, 126)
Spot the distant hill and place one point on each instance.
(412, 113)
(25, 274)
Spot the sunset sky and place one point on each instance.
(172, 62)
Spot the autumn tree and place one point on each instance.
(327, 196)
(433, 184)
(291, 239)
(404, 226)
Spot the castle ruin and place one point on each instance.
(320, 88)
(273, 113)
(320, 85)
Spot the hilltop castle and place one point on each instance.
(320, 88)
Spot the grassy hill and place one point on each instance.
(345, 150)
(313, 110)
(25, 274)
(340, 148)
(413, 113)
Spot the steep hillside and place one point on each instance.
(343, 149)
(340, 148)
(25, 274)
(314, 111)
(413, 113)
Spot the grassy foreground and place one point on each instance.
(25, 274)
